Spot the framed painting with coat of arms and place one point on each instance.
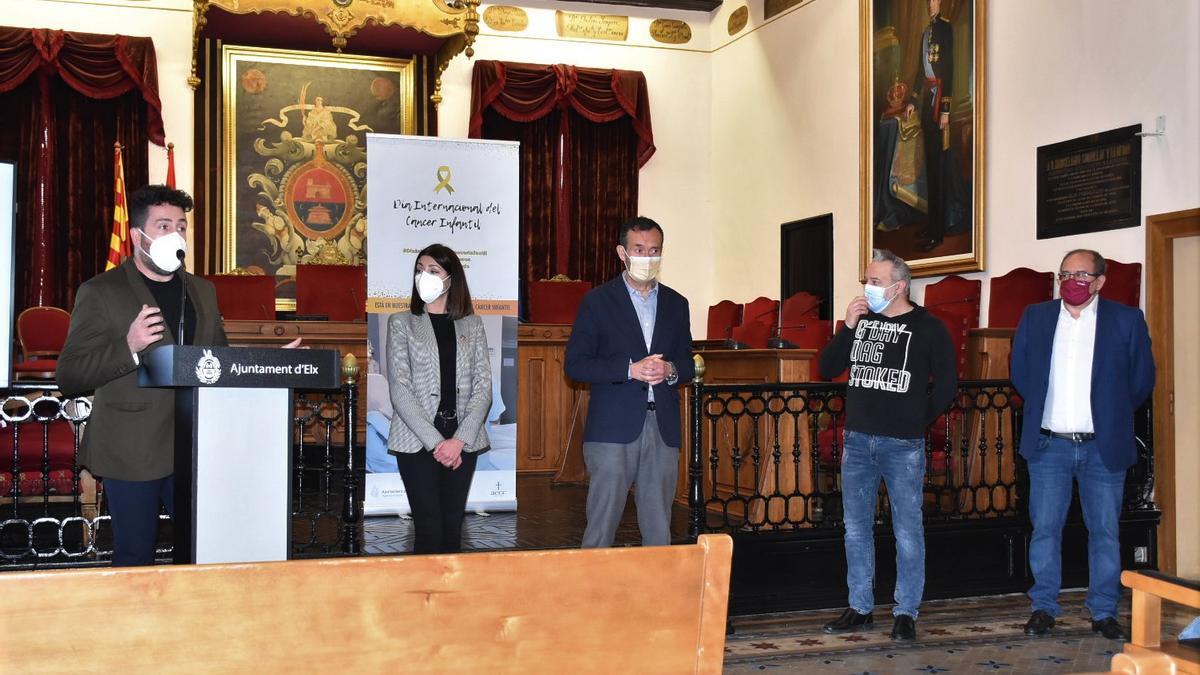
(922, 132)
(294, 151)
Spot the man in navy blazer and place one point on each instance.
(632, 342)
(1083, 366)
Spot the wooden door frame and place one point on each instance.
(1161, 232)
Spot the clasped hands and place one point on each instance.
(448, 453)
(651, 370)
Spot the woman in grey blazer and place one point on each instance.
(440, 381)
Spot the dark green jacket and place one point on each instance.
(131, 432)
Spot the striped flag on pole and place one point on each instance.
(119, 246)
(171, 165)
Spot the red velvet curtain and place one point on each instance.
(591, 133)
(67, 98)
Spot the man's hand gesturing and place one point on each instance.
(146, 329)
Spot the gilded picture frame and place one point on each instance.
(922, 136)
(294, 156)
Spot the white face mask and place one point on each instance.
(430, 286)
(876, 297)
(643, 270)
(164, 251)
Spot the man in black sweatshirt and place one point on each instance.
(895, 350)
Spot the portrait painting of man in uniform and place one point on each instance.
(295, 126)
(922, 132)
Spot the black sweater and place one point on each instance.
(891, 361)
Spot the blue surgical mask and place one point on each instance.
(876, 300)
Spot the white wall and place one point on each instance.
(785, 135)
(785, 144)
(1187, 402)
(168, 22)
(762, 128)
(675, 185)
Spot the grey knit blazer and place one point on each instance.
(415, 383)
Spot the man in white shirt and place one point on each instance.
(1083, 366)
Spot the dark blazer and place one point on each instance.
(131, 432)
(1122, 375)
(605, 339)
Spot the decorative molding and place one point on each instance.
(591, 26)
(671, 31)
(506, 18)
(738, 20)
(456, 21)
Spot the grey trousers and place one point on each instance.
(612, 468)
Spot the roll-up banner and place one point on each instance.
(463, 194)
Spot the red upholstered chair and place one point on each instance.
(957, 325)
(799, 308)
(758, 323)
(339, 292)
(242, 297)
(60, 480)
(722, 317)
(1013, 292)
(42, 331)
(956, 295)
(556, 300)
(1123, 283)
(845, 374)
(811, 334)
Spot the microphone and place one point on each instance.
(359, 308)
(182, 295)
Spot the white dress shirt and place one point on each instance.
(1069, 396)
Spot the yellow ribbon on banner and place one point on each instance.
(443, 176)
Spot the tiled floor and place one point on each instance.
(975, 635)
(549, 516)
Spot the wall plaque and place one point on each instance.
(671, 31)
(738, 20)
(591, 26)
(1090, 184)
(506, 18)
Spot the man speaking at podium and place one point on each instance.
(120, 316)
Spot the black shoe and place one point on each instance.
(848, 621)
(904, 629)
(928, 245)
(1110, 629)
(1039, 623)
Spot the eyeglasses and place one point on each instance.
(1079, 276)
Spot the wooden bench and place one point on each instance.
(637, 610)
(1149, 590)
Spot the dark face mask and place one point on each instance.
(1075, 292)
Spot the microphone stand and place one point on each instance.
(182, 297)
(777, 341)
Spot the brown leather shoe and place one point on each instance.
(850, 620)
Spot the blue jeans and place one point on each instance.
(1051, 469)
(901, 464)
